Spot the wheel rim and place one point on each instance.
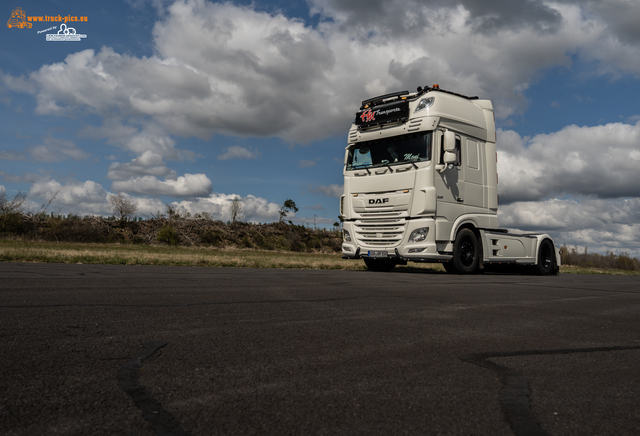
(546, 258)
(467, 253)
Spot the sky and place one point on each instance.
(192, 103)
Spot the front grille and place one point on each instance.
(382, 214)
(380, 232)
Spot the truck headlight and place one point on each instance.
(424, 104)
(419, 235)
(346, 237)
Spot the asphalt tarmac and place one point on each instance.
(88, 349)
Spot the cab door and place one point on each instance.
(450, 187)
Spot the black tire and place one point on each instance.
(449, 267)
(546, 259)
(380, 265)
(466, 252)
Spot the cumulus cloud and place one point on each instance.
(148, 163)
(139, 139)
(77, 197)
(601, 161)
(238, 152)
(56, 150)
(603, 225)
(90, 198)
(189, 185)
(256, 209)
(222, 68)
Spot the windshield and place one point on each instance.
(415, 147)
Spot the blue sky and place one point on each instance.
(194, 102)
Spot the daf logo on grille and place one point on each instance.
(378, 200)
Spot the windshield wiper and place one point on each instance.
(360, 167)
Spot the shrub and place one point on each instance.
(211, 237)
(168, 234)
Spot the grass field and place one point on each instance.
(127, 254)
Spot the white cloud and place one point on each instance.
(600, 161)
(602, 225)
(87, 198)
(238, 152)
(147, 137)
(76, 197)
(256, 209)
(56, 150)
(189, 185)
(148, 163)
(221, 68)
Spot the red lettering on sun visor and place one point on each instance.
(368, 116)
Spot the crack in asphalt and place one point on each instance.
(162, 423)
(514, 395)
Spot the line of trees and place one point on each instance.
(576, 257)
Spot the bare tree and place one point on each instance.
(122, 205)
(12, 205)
(172, 211)
(288, 206)
(236, 208)
(44, 207)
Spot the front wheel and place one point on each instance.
(380, 265)
(466, 252)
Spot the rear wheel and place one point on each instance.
(380, 265)
(546, 259)
(466, 252)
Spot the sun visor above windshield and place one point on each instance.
(384, 113)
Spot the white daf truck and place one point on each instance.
(420, 184)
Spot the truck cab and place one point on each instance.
(420, 184)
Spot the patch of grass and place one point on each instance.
(130, 254)
(572, 269)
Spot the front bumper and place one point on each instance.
(423, 251)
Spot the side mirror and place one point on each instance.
(449, 158)
(449, 146)
(449, 142)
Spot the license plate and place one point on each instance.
(377, 253)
